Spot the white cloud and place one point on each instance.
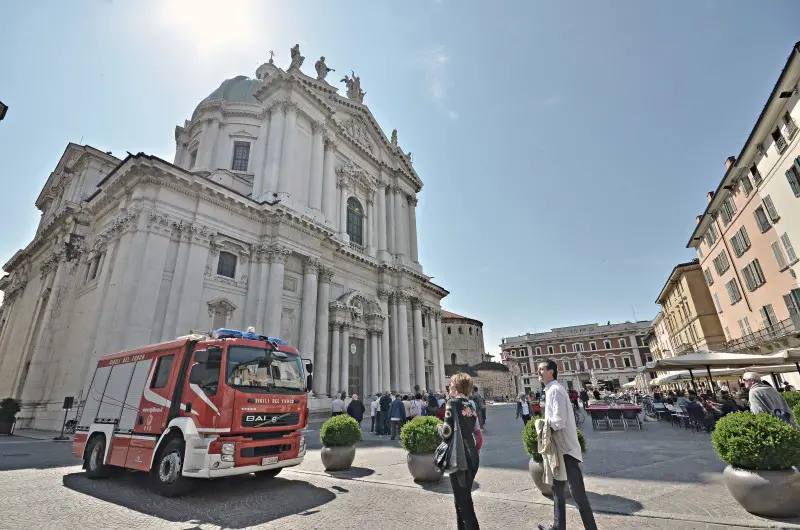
(436, 62)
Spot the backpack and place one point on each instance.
(783, 415)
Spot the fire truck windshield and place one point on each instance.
(262, 370)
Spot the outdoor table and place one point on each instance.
(603, 409)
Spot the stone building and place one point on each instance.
(286, 207)
(463, 340)
(589, 355)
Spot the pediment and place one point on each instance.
(243, 134)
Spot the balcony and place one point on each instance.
(780, 143)
(791, 129)
(781, 335)
(358, 248)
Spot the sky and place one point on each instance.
(565, 147)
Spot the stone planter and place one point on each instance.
(537, 474)
(422, 467)
(765, 493)
(7, 427)
(338, 458)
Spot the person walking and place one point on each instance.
(524, 409)
(337, 406)
(373, 412)
(397, 414)
(463, 446)
(356, 410)
(559, 417)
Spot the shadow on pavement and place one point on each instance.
(24, 453)
(612, 503)
(235, 502)
(353, 472)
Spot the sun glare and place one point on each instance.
(212, 25)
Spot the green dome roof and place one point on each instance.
(238, 89)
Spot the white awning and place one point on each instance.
(708, 359)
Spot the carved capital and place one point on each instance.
(279, 254)
(401, 297)
(325, 274)
(318, 127)
(291, 107)
(413, 201)
(330, 143)
(416, 303)
(346, 326)
(311, 265)
(384, 293)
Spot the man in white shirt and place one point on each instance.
(560, 418)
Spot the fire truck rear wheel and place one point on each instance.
(167, 470)
(95, 454)
(268, 473)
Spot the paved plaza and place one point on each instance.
(661, 477)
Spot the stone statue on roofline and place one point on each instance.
(297, 59)
(353, 84)
(394, 137)
(322, 69)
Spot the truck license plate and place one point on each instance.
(267, 460)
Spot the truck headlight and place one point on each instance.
(302, 448)
(228, 448)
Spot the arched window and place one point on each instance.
(355, 221)
(452, 358)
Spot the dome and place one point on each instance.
(238, 90)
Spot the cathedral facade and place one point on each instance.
(285, 208)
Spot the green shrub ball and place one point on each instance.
(531, 441)
(792, 398)
(756, 441)
(340, 431)
(420, 435)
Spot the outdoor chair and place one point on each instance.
(615, 415)
(631, 416)
(660, 410)
(597, 417)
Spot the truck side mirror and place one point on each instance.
(309, 380)
(309, 367)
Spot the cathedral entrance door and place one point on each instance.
(355, 380)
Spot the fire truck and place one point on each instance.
(197, 407)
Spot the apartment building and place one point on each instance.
(589, 355)
(688, 311)
(745, 238)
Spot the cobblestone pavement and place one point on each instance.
(661, 477)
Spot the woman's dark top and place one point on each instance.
(459, 409)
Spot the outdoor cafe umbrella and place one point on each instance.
(717, 359)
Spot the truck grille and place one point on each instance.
(264, 450)
(270, 420)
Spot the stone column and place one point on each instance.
(183, 233)
(419, 346)
(344, 377)
(412, 213)
(375, 384)
(317, 166)
(401, 224)
(250, 312)
(321, 345)
(402, 339)
(394, 347)
(192, 292)
(391, 225)
(329, 183)
(344, 194)
(370, 230)
(263, 285)
(274, 147)
(386, 378)
(207, 144)
(259, 158)
(287, 162)
(272, 325)
(437, 383)
(439, 330)
(308, 309)
(335, 358)
(380, 193)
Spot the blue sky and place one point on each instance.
(566, 147)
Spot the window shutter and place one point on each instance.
(771, 314)
(790, 305)
(792, 177)
(764, 317)
(773, 213)
(779, 256)
(787, 244)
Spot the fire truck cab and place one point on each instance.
(196, 407)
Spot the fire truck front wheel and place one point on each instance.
(167, 472)
(95, 454)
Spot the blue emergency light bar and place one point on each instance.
(225, 333)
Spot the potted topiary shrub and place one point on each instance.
(420, 437)
(339, 436)
(8, 415)
(760, 451)
(792, 398)
(531, 443)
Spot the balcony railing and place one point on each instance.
(358, 248)
(780, 144)
(791, 129)
(781, 330)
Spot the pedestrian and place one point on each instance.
(559, 417)
(764, 398)
(397, 414)
(373, 412)
(524, 409)
(462, 443)
(480, 406)
(337, 407)
(356, 410)
(384, 406)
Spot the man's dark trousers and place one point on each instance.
(575, 479)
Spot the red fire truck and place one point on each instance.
(196, 407)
